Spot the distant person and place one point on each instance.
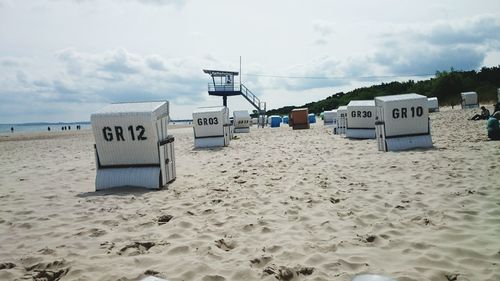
(48, 129)
(12, 129)
(69, 127)
(493, 127)
(485, 114)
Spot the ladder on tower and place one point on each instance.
(255, 101)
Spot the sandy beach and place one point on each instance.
(276, 204)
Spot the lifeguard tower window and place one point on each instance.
(223, 85)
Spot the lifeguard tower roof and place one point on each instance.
(220, 73)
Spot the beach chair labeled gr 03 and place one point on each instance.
(402, 122)
(211, 127)
(132, 147)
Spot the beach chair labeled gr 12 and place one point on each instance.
(132, 147)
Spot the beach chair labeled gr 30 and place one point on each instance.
(132, 147)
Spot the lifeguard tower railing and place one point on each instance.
(236, 89)
(224, 89)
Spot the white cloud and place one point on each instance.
(98, 78)
(11, 61)
(474, 31)
(151, 49)
(428, 59)
(156, 62)
(324, 30)
(419, 49)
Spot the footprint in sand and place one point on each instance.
(260, 262)
(216, 201)
(163, 219)
(136, 248)
(284, 273)
(7, 265)
(47, 251)
(225, 245)
(108, 246)
(94, 232)
(52, 271)
(369, 238)
(49, 275)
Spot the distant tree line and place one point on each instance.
(446, 86)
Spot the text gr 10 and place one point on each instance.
(403, 112)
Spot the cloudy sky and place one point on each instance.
(60, 60)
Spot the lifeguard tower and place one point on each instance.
(223, 85)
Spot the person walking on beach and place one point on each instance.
(12, 129)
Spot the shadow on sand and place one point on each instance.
(119, 191)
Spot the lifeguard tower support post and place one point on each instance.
(223, 85)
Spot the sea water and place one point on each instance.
(41, 127)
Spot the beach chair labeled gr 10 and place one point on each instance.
(132, 147)
(402, 122)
